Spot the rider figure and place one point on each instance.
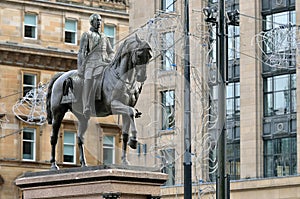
(95, 53)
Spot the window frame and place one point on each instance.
(165, 108)
(111, 38)
(71, 31)
(69, 144)
(270, 90)
(37, 80)
(273, 156)
(269, 25)
(113, 148)
(34, 142)
(168, 8)
(168, 58)
(169, 165)
(30, 25)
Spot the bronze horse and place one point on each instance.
(119, 91)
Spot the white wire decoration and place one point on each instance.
(277, 46)
(31, 109)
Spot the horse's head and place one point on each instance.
(140, 58)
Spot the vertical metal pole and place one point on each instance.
(221, 155)
(228, 186)
(187, 109)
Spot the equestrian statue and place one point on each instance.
(105, 83)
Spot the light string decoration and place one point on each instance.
(31, 108)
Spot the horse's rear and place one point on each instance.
(55, 109)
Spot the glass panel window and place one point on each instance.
(69, 147)
(168, 110)
(233, 160)
(109, 31)
(233, 42)
(30, 26)
(29, 82)
(168, 5)
(29, 144)
(168, 165)
(108, 149)
(279, 95)
(168, 54)
(280, 157)
(279, 41)
(71, 31)
(233, 100)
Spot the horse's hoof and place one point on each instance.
(125, 161)
(54, 167)
(132, 143)
(84, 165)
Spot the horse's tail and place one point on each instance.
(49, 93)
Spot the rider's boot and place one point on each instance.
(86, 98)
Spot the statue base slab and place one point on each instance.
(93, 182)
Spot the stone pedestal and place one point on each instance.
(93, 182)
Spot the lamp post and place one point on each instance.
(223, 180)
(187, 108)
(222, 66)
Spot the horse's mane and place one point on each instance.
(128, 46)
(125, 48)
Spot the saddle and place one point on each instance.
(72, 88)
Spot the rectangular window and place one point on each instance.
(71, 31)
(109, 31)
(69, 147)
(29, 83)
(108, 149)
(168, 165)
(280, 157)
(233, 100)
(30, 26)
(29, 144)
(168, 110)
(168, 53)
(233, 160)
(279, 41)
(280, 95)
(168, 5)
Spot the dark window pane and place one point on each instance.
(69, 37)
(29, 32)
(68, 158)
(28, 148)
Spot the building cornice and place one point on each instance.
(15, 54)
(71, 7)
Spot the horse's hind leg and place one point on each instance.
(57, 118)
(82, 126)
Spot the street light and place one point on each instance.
(210, 14)
(233, 18)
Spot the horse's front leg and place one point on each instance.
(82, 126)
(120, 108)
(125, 129)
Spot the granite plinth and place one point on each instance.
(92, 182)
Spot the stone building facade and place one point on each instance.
(261, 96)
(37, 40)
